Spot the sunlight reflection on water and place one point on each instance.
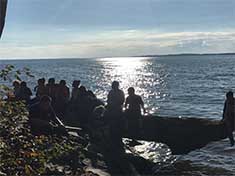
(185, 86)
(133, 72)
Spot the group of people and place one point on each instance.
(58, 92)
(53, 102)
(21, 91)
(54, 99)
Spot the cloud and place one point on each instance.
(121, 43)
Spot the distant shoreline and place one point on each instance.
(186, 54)
(150, 55)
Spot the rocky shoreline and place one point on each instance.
(23, 153)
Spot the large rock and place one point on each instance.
(182, 135)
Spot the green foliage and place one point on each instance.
(10, 73)
(22, 153)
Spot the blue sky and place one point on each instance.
(99, 28)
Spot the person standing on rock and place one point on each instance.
(229, 115)
(116, 98)
(40, 88)
(61, 99)
(133, 105)
(114, 113)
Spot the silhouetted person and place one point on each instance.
(228, 115)
(25, 92)
(16, 90)
(134, 102)
(82, 91)
(51, 89)
(61, 99)
(114, 114)
(133, 106)
(83, 105)
(63, 91)
(75, 90)
(98, 129)
(43, 119)
(91, 94)
(116, 98)
(40, 88)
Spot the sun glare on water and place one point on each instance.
(126, 70)
(130, 72)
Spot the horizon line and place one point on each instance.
(148, 55)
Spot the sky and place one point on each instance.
(104, 28)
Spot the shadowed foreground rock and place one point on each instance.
(182, 135)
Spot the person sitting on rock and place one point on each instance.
(98, 129)
(229, 115)
(25, 93)
(133, 105)
(43, 119)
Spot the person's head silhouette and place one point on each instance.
(115, 85)
(131, 91)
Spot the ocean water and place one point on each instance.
(187, 86)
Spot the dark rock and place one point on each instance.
(182, 135)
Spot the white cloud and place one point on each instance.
(122, 43)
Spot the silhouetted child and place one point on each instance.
(228, 115)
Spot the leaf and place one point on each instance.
(28, 170)
(17, 77)
(18, 72)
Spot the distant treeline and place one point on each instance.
(187, 54)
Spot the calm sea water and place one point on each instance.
(188, 86)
